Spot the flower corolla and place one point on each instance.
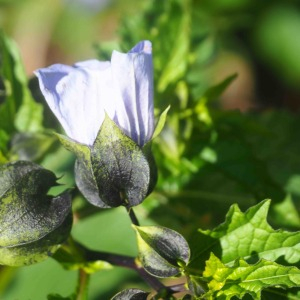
(81, 95)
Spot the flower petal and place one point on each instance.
(79, 97)
(48, 79)
(93, 64)
(133, 81)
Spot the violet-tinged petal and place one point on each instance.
(143, 46)
(80, 95)
(144, 72)
(78, 98)
(48, 80)
(133, 80)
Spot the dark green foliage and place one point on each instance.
(33, 224)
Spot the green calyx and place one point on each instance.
(163, 252)
(120, 166)
(113, 171)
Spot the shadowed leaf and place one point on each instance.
(33, 224)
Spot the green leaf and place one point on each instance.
(31, 146)
(19, 110)
(178, 61)
(33, 224)
(10, 71)
(195, 286)
(216, 91)
(3, 159)
(29, 117)
(4, 138)
(84, 176)
(121, 170)
(246, 235)
(242, 278)
(234, 157)
(131, 294)
(162, 251)
(161, 123)
(286, 214)
(285, 21)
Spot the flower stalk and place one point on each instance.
(83, 284)
(120, 261)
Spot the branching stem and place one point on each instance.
(127, 262)
(130, 263)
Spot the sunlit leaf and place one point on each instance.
(161, 122)
(177, 62)
(248, 236)
(286, 213)
(242, 278)
(19, 110)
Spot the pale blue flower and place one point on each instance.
(80, 95)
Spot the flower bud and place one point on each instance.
(113, 171)
(106, 109)
(80, 95)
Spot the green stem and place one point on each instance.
(83, 284)
(127, 262)
(84, 254)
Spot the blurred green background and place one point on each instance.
(230, 70)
